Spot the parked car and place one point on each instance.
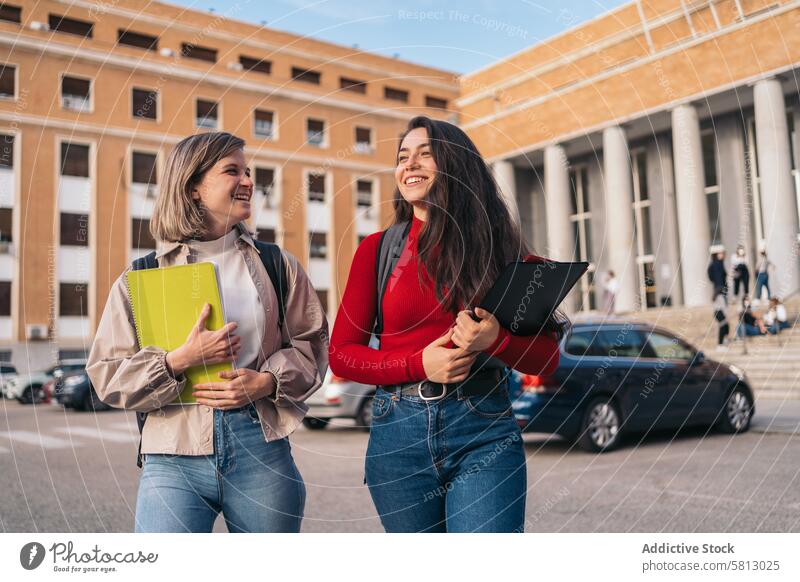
(7, 373)
(73, 389)
(622, 377)
(27, 388)
(340, 398)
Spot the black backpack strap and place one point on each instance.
(392, 243)
(146, 262)
(272, 258)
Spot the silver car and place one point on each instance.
(340, 398)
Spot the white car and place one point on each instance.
(7, 373)
(28, 388)
(340, 398)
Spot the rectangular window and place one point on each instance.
(266, 235)
(395, 94)
(137, 39)
(76, 94)
(140, 229)
(10, 13)
(74, 230)
(6, 222)
(353, 85)
(306, 75)
(265, 181)
(6, 151)
(145, 103)
(70, 25)
(364, 193)
(363, 140)
(710, 159)
(316, 187)
(264, 123)
(74, 160)
(317, 245)
(435, 102)
(144, 168)
(315, 132)
(199, 53)
(8, 81)
(255, 65)
(73, 300)
(206, 114)
(5, 299)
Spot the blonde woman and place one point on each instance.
(230, 453)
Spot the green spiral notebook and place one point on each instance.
(166, 303)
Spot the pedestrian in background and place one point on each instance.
(610, 290)
(749, 322)
(718, 275)
(740, 273)
(721, 317)
(776, 318)
(763, 269)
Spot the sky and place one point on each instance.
(455, 36)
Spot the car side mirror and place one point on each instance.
(699, 358)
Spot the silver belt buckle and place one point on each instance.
(431, 398)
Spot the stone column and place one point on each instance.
(620, 237)
(560, 243)
(691, 204)
(778, 205)
(504, 175)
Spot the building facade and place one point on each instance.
(94, 95)
(648, 138)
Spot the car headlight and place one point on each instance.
(737, 371)
(75, 380)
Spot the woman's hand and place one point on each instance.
(204, 346)
(446, 365)
(475, 336)
(245, 386)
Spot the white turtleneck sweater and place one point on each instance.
(240, 299)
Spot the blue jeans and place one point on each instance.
(762, 282)
(255, 484)
(453, 465)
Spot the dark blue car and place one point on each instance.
(624, 377)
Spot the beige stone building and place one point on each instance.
(94, 95)
(648, 137)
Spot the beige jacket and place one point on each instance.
(127, 375)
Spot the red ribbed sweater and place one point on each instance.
(413, 318)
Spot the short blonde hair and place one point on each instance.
(177, 216)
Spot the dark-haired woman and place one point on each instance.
(445, 452)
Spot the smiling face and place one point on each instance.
(416, 168)
(225, 192)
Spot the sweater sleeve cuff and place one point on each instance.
(416, 370)
(500, 343)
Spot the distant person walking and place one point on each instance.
(763, 269)
(718, 276)
(721, 317)
(610, 290)
(740, 272)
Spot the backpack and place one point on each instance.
(391, 245)
(271, 258)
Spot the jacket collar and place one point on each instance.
(166, 248)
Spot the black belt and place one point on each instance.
(480, 383)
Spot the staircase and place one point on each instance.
(772, 362)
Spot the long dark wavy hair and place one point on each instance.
(469, 236)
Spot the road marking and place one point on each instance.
(36, 439)
(103, 435)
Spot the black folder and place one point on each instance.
(526, 294)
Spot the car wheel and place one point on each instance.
(315, 423)
(364, 416)
(31, 395)
(91, 403)
(601, 428)
(737, 411)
